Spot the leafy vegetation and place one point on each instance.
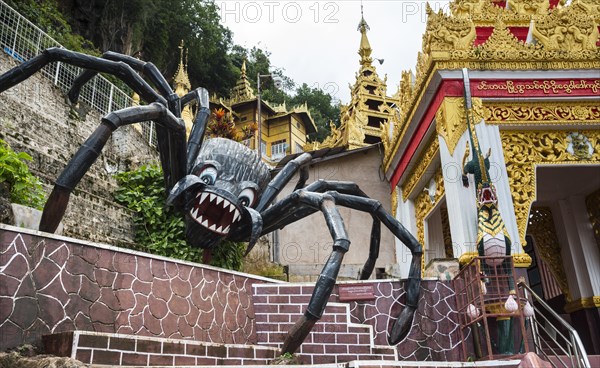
(47, 16)
(159, 229)
(25, 188)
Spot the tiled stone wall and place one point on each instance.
(360, 326)
(34, 118)
(56, 284)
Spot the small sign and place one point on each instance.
(356, 292)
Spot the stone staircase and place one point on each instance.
(334, 338)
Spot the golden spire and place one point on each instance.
(181, 81)
(365, 47)
(242, 90)
(243, 76)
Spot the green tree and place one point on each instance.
(322, 109)
(47, 15)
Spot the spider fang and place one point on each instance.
(214, 212)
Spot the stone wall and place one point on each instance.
(57, 284)
(35, 118)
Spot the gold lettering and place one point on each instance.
(547, 86)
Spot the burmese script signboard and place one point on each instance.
(356, 292)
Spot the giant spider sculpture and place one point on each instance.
(223, 188)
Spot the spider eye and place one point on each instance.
(208, 175)
(247, 197)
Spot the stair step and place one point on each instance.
(127, 350)
(333, 339)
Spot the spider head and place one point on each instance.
(219, 194)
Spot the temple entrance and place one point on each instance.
(564, 247)
(438, 242)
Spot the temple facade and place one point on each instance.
(534, 76)
(282, 130)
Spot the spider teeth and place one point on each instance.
(219, 229)
(226, 230)
(236, 216)
(203, 197)
(198, 195)
(219, 200)
(195, 213)
(205, 223)
(212, 197)
(213, 227)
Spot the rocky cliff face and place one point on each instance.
(35, 118)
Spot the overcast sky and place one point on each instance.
(316, 42)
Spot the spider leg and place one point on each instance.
(87, 154)
(282, 178)
(199, 127)
(302, 201)
(348, 187)
(119, 69)
(146, 68)
(403, 323)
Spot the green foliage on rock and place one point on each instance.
(47, 16)
(159, 229)
(25, 188)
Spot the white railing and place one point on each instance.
(562, 343)
(23, 40)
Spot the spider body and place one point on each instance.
(222, 187)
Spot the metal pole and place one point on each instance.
(14, 45)
(259, 119)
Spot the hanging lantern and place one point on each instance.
(483, 288)
(472, 311)
(511, 305)
(528, 310)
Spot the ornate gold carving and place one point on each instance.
(447, 33)
(467, 257)
(424, 205)
(451, 119)
(484, 12)
(424, 161)
(530, 7)
(523, 151)
(448, 246)
(579, 146)
(522, 260)
(592, 203)
(583, 303)
(591, 7)
(502, 51)
(394, 201)
(541, 228)
(554, 113)
(569, 28)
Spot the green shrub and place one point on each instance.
(25, 188)
(159, 229)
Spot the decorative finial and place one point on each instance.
(180, 52)
(365, 47)
(181, 78)
(362, 25)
